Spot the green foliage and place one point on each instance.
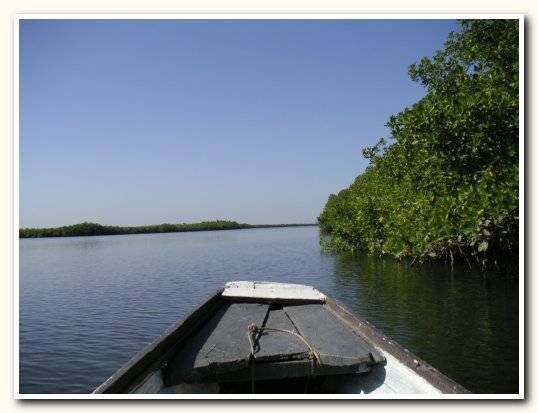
(447, 183)
(90, 228)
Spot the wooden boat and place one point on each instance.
(275, 338)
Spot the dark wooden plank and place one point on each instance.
(271, 371)
(220, 346)
(292, 369)
(277, 345)
(220, 351)
(336, 344)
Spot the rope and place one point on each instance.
(253, 329)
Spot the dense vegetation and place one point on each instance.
(90, 228)
(446, 184)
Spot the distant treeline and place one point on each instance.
(91, 228)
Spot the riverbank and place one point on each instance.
(91, 228)
(445, 184)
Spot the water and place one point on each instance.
(87, 304)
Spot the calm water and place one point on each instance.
(87, 304)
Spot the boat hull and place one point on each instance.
(178, 361)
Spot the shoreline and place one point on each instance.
(86, 229)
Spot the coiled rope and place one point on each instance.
(254, 329)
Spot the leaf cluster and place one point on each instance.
(446, 182)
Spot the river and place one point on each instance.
(88, 304)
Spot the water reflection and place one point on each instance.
(463, 323)
(88, 304)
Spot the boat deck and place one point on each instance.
(275, 338)
(292, 341)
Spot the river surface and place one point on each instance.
(88, 304)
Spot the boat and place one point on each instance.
(275, 338)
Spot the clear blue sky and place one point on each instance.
(133, 122)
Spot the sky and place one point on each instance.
(134, 122)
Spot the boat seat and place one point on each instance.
(221, 350)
